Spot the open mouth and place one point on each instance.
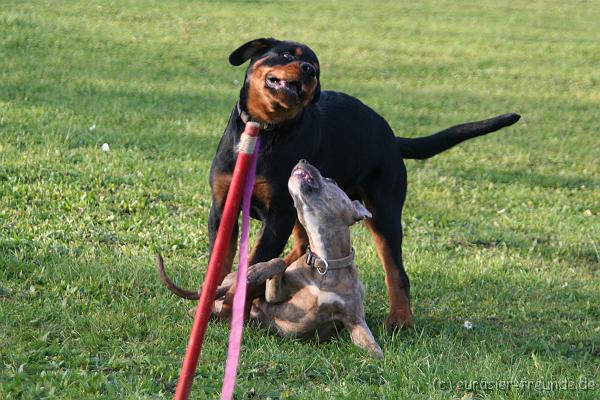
(307, 180)
(304, 174)
(291, 87)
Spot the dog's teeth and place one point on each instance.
(303, 174)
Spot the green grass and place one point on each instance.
(502, 231)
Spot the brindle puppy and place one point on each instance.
(319, 292)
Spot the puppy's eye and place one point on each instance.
(287, 55)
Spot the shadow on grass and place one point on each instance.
(526, 178)
(147, 119)
(519, 337)
(525, 317)
(94, 99)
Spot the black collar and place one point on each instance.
(246, 117)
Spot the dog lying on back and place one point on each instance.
(320, 292)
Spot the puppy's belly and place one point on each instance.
(309, 312)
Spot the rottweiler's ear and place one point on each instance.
(251, 49)
(360, 211)
(317, 91)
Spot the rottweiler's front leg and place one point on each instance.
(220, 187)
(213, 226)
(214, 220)
(274, 233)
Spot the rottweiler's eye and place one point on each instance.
(287, 55)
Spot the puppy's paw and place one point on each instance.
(373, 348)
(224, 313)
(376, 351)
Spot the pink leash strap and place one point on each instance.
(239, 299)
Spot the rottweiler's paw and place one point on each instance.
(399, 319)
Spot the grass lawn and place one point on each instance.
(503, 231)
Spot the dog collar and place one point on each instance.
(245, 117)
(322, 265)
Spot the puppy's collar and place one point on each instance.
(245, 117)
(322, 265)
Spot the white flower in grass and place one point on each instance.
(468, 325)
(105, 147)
(92, 128)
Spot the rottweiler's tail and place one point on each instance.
(429, 146)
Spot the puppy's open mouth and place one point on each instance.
(305, 177)
(291, 87)
(304, 174)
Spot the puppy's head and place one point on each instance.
(320, 200)
(282, 79)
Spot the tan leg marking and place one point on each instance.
(400, 314)
(300, 243)
(262, 192)
(220, 188)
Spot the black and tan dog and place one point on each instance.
(342, 137)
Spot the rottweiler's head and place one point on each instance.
(282, 79)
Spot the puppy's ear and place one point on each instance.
(360, 212)
(251, 49)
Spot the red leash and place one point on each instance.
(239, 300)
(215, 265)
